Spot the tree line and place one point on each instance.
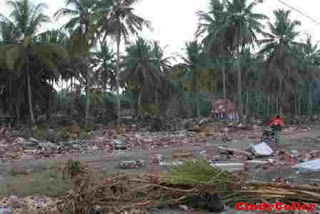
(263, 68)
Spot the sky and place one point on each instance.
(174, 21)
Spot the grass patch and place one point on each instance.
(49, 182)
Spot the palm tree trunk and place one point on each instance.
(156, 99)
(195, 92)
(10, 94)
(197, 99)
(32, 120)
(247, 102)
(224, 82)
(239, 85)
(138, 102)
(117, 78)
(87, 95)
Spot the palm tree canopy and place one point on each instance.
(121, 19)
(210, 24)
(241, 24)
(282, 33)
(26, 17)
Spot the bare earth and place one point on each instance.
(110, 163)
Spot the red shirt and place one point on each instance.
(277, 122)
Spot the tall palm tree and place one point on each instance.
(82, 27)
(163, 66)
(120, 22)
(142, 66)
(280, 48)
(213, 38)
(193, 64)
(309, 67)
(106, 71)
(26, 19)
(240, 28)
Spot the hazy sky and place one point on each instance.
(174, 21)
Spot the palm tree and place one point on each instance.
(240, 28)
(251, 65)
(280, 48)
(106, 71)
(26, 19)
(142, 67)
(120, 22)
(82, 21)
(56, 37)
(309, 63)
(209, 27)
(193, 64)
(163, 63)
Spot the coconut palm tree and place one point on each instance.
(280, 48)
(84, 33)
(213, 38)
(142, 67)
(105, 74)
(120, 22)
(163, 63)
(309, 64)
(193, 64)
(26, 19)
(240, 27)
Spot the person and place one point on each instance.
(277, 124)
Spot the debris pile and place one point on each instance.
(37, 204)
(185, 185)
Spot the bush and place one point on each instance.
(63, 132)
(149, 109)
(85, 135)
(40, 133)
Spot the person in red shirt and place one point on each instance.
(277, 124)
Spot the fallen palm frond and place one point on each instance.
(124, 191)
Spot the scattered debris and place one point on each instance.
(133, 164)
(309, 166)
(262, 150)
(5, 210)
(120, 144)
(97, 210)
(183, 154)
(231, 167)
(240, 154)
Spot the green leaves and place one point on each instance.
(198, 171)
(15, 58)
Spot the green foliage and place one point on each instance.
(63, 132)
(73, 168)
(40, 132)
(198, 171)
(85, 132)
(149, 109)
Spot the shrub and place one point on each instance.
(40, 133)
(63, 132)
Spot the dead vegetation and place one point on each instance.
(124, 192)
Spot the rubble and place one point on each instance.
(133, 164)
(309, 166)
(261, 150)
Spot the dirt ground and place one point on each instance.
(42, 176)
(102, 162)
